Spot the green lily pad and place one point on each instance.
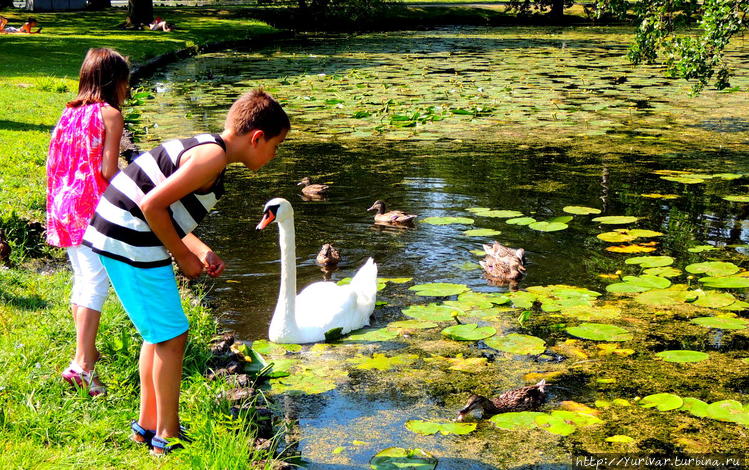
(683, 179)
(468, 332)
(616, 219)
(592, 312)
(682, 355)
(395, 280)
(438, 289)
(478, 209)
(694, 406)
(728, 176)
(427, 428)
(730, 282)
(714, 299)
(499, 214)
(472, 300)
(371, 335)
(627, 235)
(555, 424)
(517, 344)
(397, 458)
(266, 347)
(619, 438)
(701, 248)
(713, 268)
(463, 364)
(481, 232)
(547, 226)
(520, 221)
(467, 266)
(662, 401)
(521, 299)
(381, 362)
(412, 324)
(580, 210)
(578, 418)
(650, 261)
(516, 420)
(663, 271)
(639, 284)
(725, 410)
(302, 383)
(737, 198)
(599, 332)
(722, 323)
(562, 219)
(447, 220)
(433, 312)
(671, 296)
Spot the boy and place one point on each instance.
(148, 212)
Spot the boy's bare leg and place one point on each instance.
(86, 326)
(147, 418)
(167, 376)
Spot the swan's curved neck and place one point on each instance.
(284, 320)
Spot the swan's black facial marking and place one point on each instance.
(268, 216)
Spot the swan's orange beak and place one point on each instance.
(268, 217)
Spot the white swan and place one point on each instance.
(321, 306)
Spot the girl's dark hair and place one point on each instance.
(103, 73)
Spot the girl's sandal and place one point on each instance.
(140, 434)
(77, 377)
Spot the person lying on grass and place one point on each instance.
(27, 27)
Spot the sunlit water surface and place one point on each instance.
(434, 123)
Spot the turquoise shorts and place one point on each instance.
(150, 298)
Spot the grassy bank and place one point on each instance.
(44, 423)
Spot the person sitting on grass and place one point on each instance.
(161, 25)
(27, 27)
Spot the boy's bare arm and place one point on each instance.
(203, 167)
(212, 263)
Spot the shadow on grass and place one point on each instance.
(22, 126)
(23, 302)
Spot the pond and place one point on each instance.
(636, 248)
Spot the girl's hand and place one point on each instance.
(190, 265)
(213, 264)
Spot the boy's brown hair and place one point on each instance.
(257, 110)
(104, 75)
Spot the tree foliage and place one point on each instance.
(689, 36)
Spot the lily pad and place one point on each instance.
(412, 324)
(427, 428)
(473, 300)
(481, 232)
(520, 221)
(517, 344)
(702, 248)
(599, 332)
(663, 271)
(616, 219)
(447, 220)
(397, 458)
(266, 347)
(620, 438)
(725, 410)
(547, 226)
(627, 235)
(662, 401)
(438, 289)
(722, 323)
(468, 332)
(463, 364)
(714, 299)
(682, 355)
(371, 335)
(650, 261)
(580, 210)
(516, 420)
(639, 284)
(671, 296)
(381, 362)
(305, 383)
(713, 268)
(683, 179)
(735, 198)
(633, 248)
(730, 282)
(499, 214)
(433, 312)
(694, 406)
(555, 424)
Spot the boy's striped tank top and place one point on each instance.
(119, 229)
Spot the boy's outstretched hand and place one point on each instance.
(213, 264)
(190, 265)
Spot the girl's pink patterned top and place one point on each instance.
(74, 180)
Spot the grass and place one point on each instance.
(44, 423)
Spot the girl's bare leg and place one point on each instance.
(86, 327)
(167, 376)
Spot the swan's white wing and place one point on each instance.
(326, 305)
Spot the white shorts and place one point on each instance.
(90, 281)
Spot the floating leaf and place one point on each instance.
(660, 297)
(682, 355)
(547, 226)
(620, 438)
(474, 300)
(381, 362)
(694, 406)
(734, 282)
(725, 410)
(371, 335)
(662, 401)
(683, 179)
(650, 261)
(702, 248)
(713, 268)
(616, 219)
(427, 428)
(664, 271)
(397, 458)
(722, 323)
(522, 299)
(714, 299)
(478, 209)
(516, 420)
(520, 221)
(412, 324)
(517, 344)
(481, 232)
(438, 289)
(303, 383)
(639, 284)
(555, 424)
(468, 332)
(580, 210)
(615, 237)
(660, 196)
(447, 220)
(395, 280)
(266, 347)
(561, 219)
(433, 312)
(737, 198)
(588, 312)
(634, 248)
(599, 332)
(459, 363)
(500, 214)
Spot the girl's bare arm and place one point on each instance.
(114, 125)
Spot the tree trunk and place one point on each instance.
(139, 13)
(6, 4)
(99, 4)
(557, 9)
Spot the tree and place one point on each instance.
(554, 8)
(666, 31)
(139, 13)
(6, 4)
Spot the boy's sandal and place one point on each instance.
(140, 434)
(161, 446)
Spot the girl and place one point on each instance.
(82, 159)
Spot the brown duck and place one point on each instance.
(329, 256)
(521, 399)
(503, 265)
(309, 189)
(384, 216)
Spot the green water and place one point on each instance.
(523, 119)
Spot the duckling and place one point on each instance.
(329, 256)
(503, 265)
(384, 216)
(4, 249)
(521, 399)
(309, 189)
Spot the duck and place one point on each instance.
(395, 217)
(503, 265)
(4, 249)
(329, 256)
(520, 399)
(322, 307)
(309, 189)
